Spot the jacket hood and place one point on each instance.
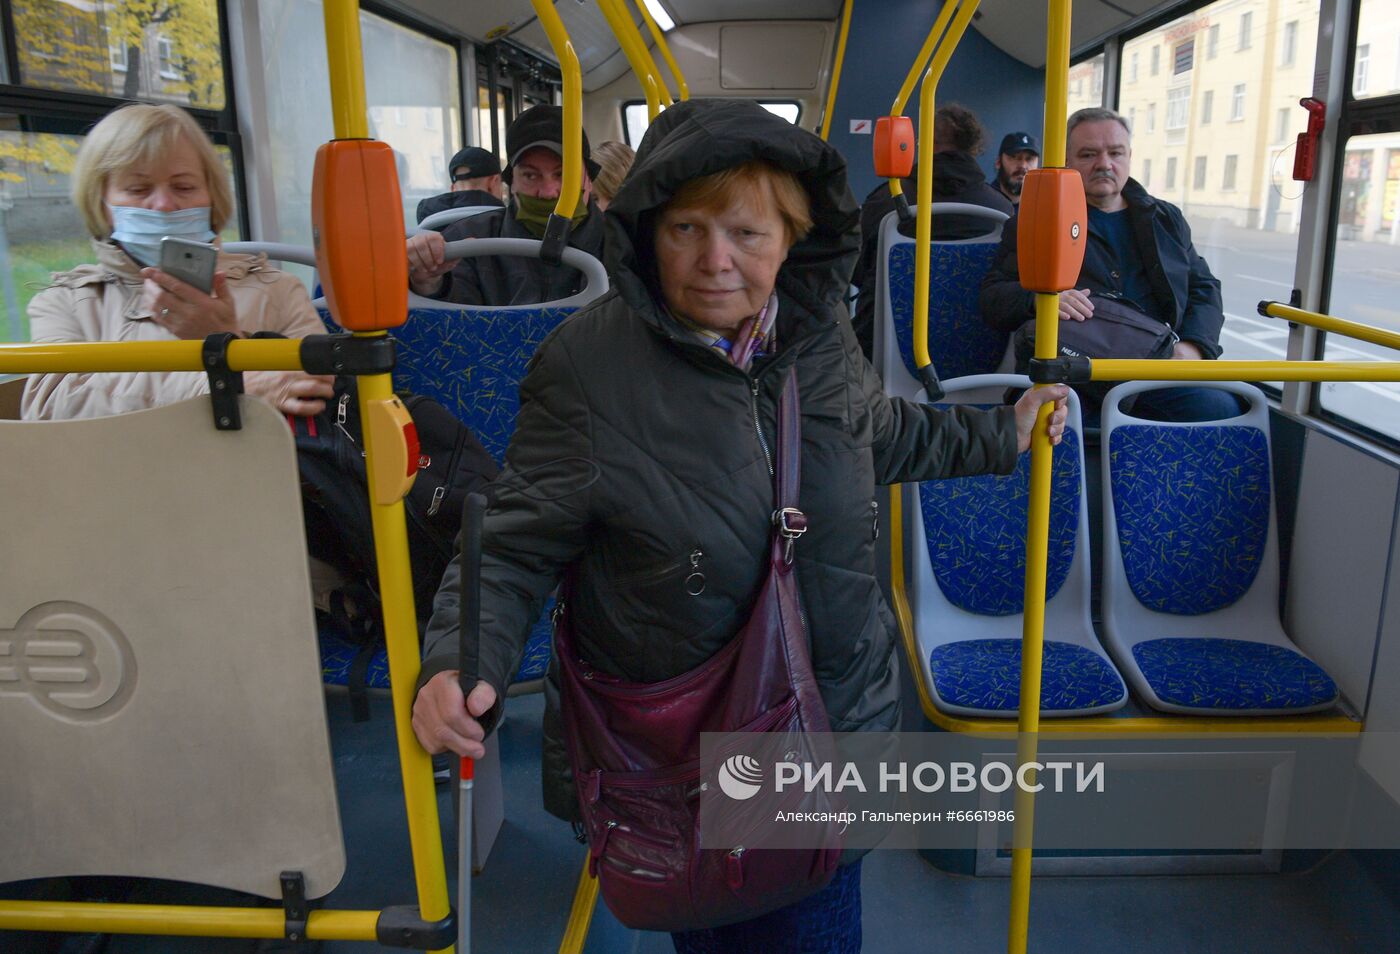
(955, 173)
(700, 137)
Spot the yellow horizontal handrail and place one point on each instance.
(1328, 323)
(181, 920)
(80, 357)
(1132, 369)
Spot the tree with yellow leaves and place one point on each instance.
(70, 47)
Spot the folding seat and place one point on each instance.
(1191, 569)
(964, 571)
(959, 343)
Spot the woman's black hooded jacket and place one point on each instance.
(637, 456)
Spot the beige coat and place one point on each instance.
(102, 302)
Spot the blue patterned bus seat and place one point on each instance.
(986, 674)
(975, 528)
(1192, 507)
(958, 342)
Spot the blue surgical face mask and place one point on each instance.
(139, 231)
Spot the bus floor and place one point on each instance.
(521, 901)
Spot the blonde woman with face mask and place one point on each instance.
(144, 173)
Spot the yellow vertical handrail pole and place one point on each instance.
(836, 68)
(573, 106)
(348, 105)
(682, 89)
(639, 44)
(624, 30)
(581, 914)
(923, 216)
(349, 109)
(906, 89)
(1038, 519)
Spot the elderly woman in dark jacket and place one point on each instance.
(641, 453)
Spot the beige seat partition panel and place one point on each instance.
(161, 711)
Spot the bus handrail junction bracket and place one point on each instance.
(556, 237)
(294, 904)
(225, 384)
(402, 926)
(901, 206)
(348, 354)
(1062, 370)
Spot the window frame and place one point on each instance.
(1358, 117)
(43, 110)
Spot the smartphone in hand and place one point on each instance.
(191, 262)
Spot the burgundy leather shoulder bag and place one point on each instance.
(634, 749)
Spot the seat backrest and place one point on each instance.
(160, 690)
(975, 527)
(1191, 528)
(472, 358)
(440, 220)
(958, 342)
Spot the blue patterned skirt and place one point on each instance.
(828, 922)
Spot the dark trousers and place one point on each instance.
(828, 922)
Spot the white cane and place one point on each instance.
(468, 665)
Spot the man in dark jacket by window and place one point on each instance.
(958, 137)
(1140, 249)
(476, 180)
(534, 173)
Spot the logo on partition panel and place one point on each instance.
(70, 660)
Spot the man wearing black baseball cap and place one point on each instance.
(535, 173)
(476, 181)
(1017, 156)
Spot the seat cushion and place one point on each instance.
(986, 674)
(537, 649)
(337, 655)
(1216, 673)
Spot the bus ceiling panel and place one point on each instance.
(600, 58)
(1004, 23)
(515, 20)
(701, 11)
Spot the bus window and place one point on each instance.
(1085, 84)
(1376, 70)
(414, 88)
(1228, 118)
(634, 117)
(163, 53)
(1365, 281)
(40, 230)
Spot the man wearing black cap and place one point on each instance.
(1017, 156)
(476, 180)
(534, 173)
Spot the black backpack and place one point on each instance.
(335, 507)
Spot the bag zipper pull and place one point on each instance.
(436, 503)
(342, 412)
(734, 868)
(695, 582)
